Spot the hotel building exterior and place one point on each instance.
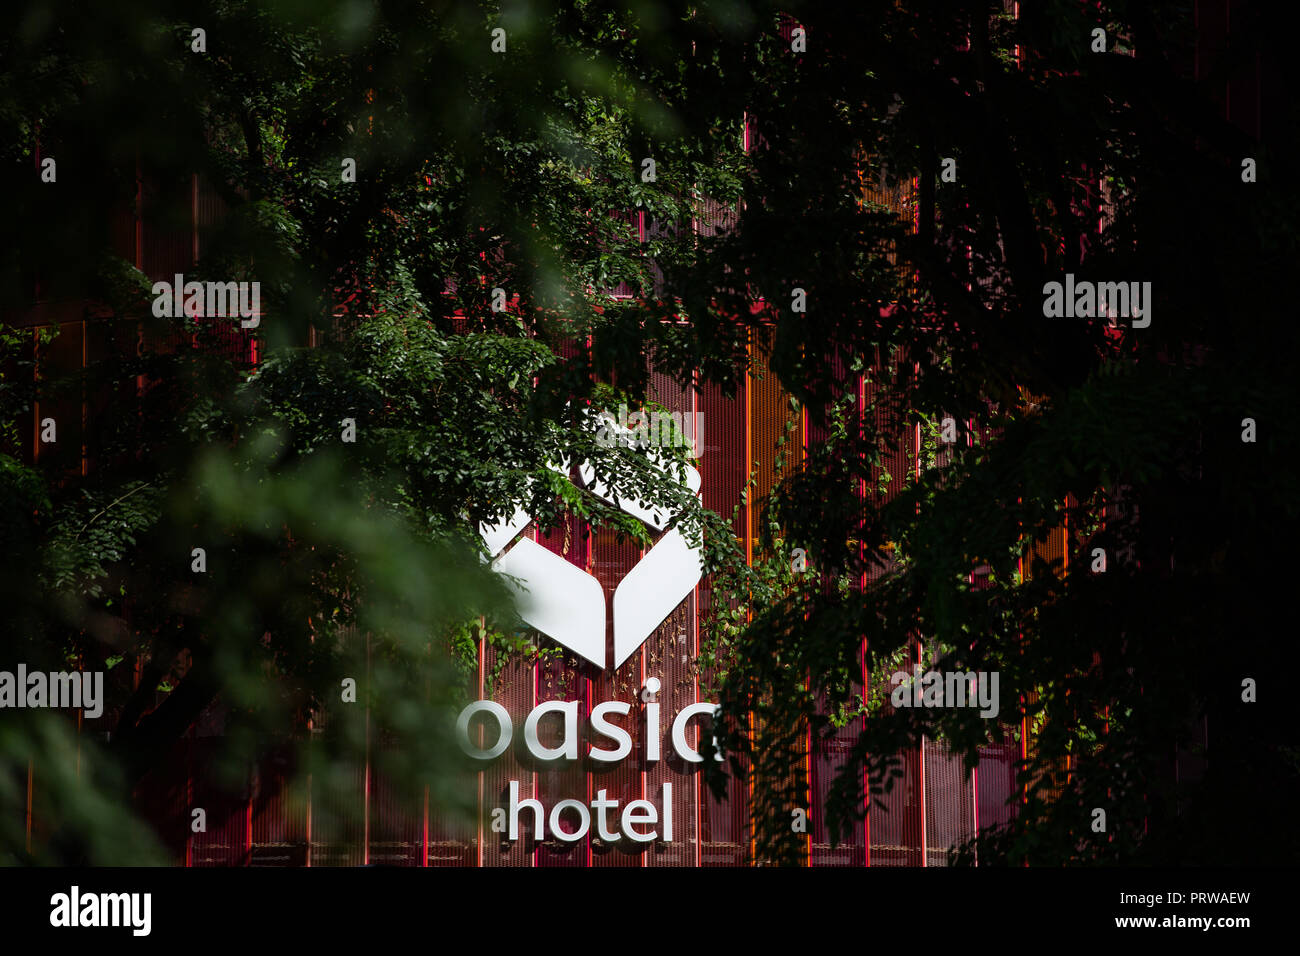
(936, 804)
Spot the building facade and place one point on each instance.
(935, 805)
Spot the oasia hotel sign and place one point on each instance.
(568, 605)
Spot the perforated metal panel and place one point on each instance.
(949, 803)
(279, 813)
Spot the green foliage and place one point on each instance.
(478, 171)
(325, 559)
(1129, 441)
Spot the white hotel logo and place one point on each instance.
(568, 605)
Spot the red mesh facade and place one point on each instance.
(515, 689)
(358, 817)
(279, 813)
(949, 803)
(723, 473)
